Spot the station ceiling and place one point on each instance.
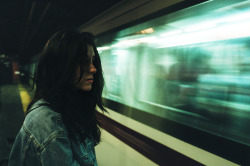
(26, 25)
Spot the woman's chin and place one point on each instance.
(86, 88)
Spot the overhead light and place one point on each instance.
(171, 33)
(200, 27)
(220, 33)
(149, 30)
(103, 48)
(133, 42)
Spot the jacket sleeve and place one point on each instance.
(58, 153)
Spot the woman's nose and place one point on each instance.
(92, 68)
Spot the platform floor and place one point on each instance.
(11, 116)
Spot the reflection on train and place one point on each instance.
(195, 70)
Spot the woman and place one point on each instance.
(61, 127)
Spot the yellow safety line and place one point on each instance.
(25, 97)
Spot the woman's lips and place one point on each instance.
(90, 80)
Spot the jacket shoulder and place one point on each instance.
(44, 124)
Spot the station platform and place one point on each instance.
(14, 99)
(11, 117)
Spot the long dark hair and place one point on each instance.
(63, 53)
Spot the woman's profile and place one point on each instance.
(61, 127)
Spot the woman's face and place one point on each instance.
(87, 79)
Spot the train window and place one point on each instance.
(193, 69)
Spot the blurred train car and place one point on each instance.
(177, 79)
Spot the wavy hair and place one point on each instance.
(62, 54)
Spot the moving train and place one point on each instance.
(177, 79)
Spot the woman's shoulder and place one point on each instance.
(43, 122)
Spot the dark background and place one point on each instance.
(26, 25)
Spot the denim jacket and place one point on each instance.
(43, 141)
